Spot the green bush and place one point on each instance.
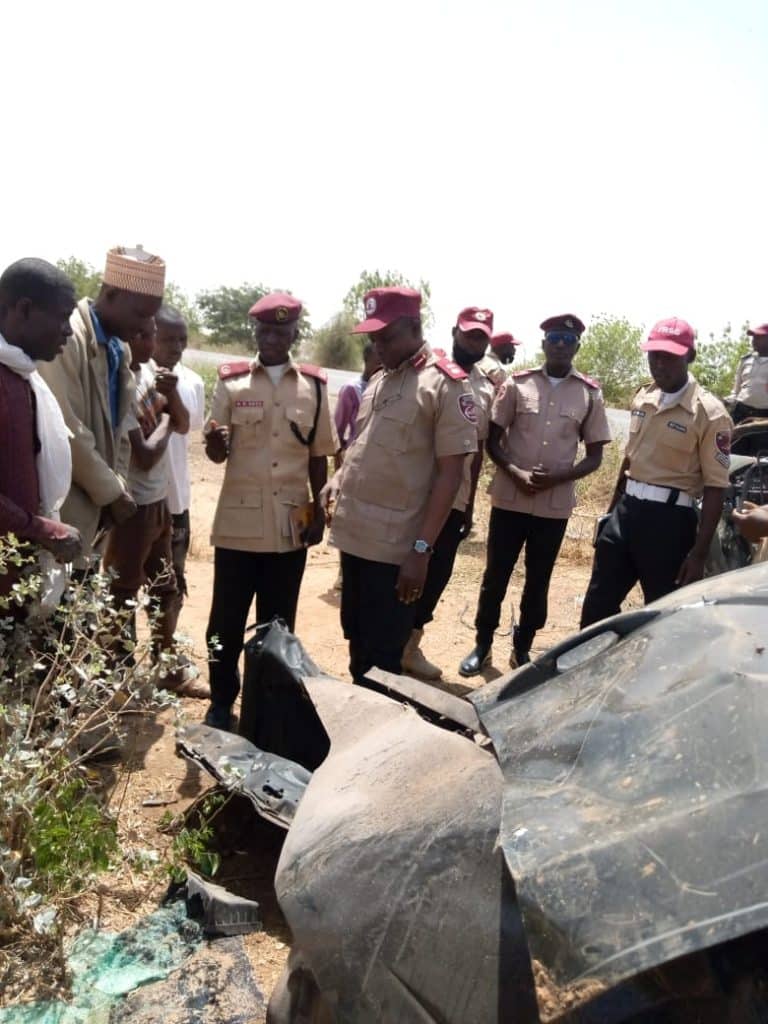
(610, 352)
(335, 346)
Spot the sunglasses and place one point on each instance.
(567, 337)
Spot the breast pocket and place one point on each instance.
(393, 426)
(247, 415)
(302, 419)
(676, 449)
(570, 422)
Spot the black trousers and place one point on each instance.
(374, 622)
(741, 411)
(507, 533)
(440, 568)
(180, 538)
(239, 576)
(643, 541)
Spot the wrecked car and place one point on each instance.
(584, 839)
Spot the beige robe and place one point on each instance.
(79, 380)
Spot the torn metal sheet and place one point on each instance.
(436, 705)
(273, 784)
(636, 785)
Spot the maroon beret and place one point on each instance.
(563, 322)
(276, 308)
(385, 305)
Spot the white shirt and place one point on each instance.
(146, 485)
(192, 393)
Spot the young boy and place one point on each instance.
(139, 550)
(170, 343)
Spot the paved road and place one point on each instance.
(618, 419)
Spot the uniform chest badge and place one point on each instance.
(467, 408)
(640, 413)
(248, 403)
(679, 427)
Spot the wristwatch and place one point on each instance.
(422, 548)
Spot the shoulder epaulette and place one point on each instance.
(227, 370)
(313, 371)
(450, 369)
(525, 373)
(589, 381)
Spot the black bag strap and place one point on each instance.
(309, 439)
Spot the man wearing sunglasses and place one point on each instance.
(537, 421)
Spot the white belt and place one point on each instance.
(650, 492)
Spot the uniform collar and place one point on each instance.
(256, 364)
(686, 399)
(418, 360)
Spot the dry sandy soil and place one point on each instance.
(152, 780)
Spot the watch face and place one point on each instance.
(421, 547)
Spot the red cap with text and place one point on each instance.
(475, 318)
(674, 335)
(385, 305)
(758, 332)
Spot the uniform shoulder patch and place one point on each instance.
(236, 369)
(310, 370)
(450, 369)
(589, 381)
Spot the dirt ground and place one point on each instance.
(152, 780)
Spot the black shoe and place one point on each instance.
(219, 716)
(473, 663)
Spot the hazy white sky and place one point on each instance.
(580, 155)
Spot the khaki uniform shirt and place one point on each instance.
(684, 445)
(493, 369)
(100, 455)
(544, 424)
(408, 418)
(751, 385)
(484, 390)
(267, 469)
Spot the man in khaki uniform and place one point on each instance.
(750, 389)
(470, 342)
(537, 421)
(271, 423)
(678, 451)
(95, 388)
(503, 349)
(395, 489)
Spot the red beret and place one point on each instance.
(563, 322)
(475, 318)
(385, 305)
(758, 332)
(276, 308)
(504, 338)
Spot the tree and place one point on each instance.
(85, 278)
(174, 296)
(353, 300)
(717, 359)
(225, 313)
(610, 352)
(335, 346)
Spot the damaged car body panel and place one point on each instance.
(391, 878)
(635, 795)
